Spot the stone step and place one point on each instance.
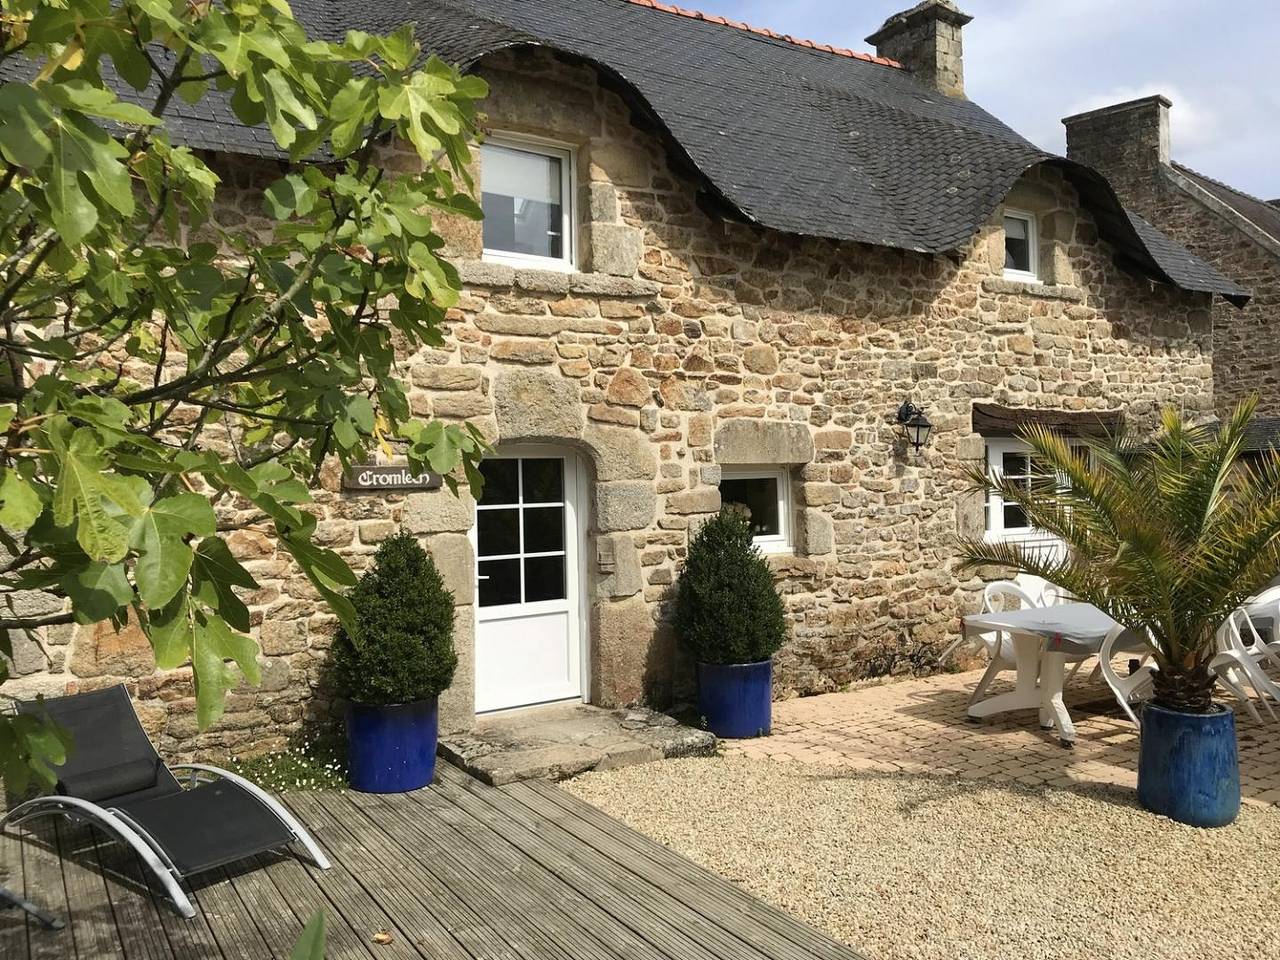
(562, 740)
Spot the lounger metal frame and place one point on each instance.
(124, 828)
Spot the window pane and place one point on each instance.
(500, 484)
(502, 584)
(522, 203)
(543, 529)
(1014, 518)
(498, 532)
(544, 480)
(1016, 465)
(1017, 244)
(759, 497)
(543, 579)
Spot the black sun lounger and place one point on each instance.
(114, 779)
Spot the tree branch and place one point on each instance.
(31, 623)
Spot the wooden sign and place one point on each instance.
(370, 478)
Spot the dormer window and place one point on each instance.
(1021, 256)
(526, 188)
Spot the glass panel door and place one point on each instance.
(527, 615)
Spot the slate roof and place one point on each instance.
(1263, 214)
(786, 135)
(1263, 434)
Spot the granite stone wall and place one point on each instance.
(685, 344)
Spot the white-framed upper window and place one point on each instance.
(526, 186)
(1021, 246)
(765, 494)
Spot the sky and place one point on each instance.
(1033, 62)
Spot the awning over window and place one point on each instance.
(993, 420)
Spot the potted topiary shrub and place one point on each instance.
(392, 668)
(729, 614)
(1168, 535)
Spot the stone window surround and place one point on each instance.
(1033, 288)
(747, 442)
(1053, 226)
(485, 273)
(602, 243)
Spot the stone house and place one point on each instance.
(715, 262)
(1239, 234)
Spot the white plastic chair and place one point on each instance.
(1265, 604)
(1052, 595)
(1128, 690)
(1231, 666)
(998, 647)
(1238, 667)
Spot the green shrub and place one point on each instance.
(402, 650)
(727, 608)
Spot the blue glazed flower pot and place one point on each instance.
(1188, 767)
(736, 699)
(391, 749)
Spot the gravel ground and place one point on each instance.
(902, 866)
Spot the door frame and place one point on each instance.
(577, 480)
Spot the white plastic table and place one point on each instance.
(1043, 638)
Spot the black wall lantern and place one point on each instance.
(913, 425)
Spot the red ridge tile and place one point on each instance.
(765, 32)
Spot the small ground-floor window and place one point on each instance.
(765, 494)
(1010, 459)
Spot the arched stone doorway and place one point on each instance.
(535, 409)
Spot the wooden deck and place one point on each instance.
(460, 870)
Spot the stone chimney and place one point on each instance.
(1126, 142)
(926, 40)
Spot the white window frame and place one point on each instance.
(1033, 245)
(780, 542)
(568, 208)
(995, 530)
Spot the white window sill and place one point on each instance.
(527, 261)
(1022, 276)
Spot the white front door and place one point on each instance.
(527, 537)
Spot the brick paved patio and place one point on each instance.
(919, 726)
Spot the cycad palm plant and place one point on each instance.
(1168, 535)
